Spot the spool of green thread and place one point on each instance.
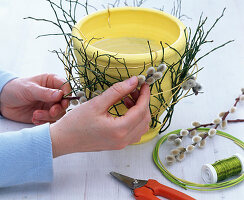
(223, 169)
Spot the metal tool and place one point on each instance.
(149, 189)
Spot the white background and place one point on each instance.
(86, 175)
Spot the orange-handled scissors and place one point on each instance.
(149, 189)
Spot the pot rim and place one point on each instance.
(179, 43)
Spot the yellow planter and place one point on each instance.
(123, 32)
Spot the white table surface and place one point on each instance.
(86, 175)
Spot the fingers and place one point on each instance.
(56, 111)
(128, 102)
(65, 103)
(131, 102)
(136, 121)
(44, 94)
(49, 87)
(135, 94)
(52, 115)
(57, 82)
(128, 133)
(40, 117)
(60, 83)
(144, 96)
(116, 93)
(52, 81)
(136, 113)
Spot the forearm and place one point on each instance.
(25, 156)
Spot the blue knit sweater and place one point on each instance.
(25, 155)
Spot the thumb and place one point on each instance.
(46, 94)
(117, 92)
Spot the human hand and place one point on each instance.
(89, 126)
(36, 99)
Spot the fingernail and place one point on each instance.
(55, 94)
(132, 81)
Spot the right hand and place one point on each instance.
(89, 127)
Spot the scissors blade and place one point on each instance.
(128, 181)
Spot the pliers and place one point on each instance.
(149, 189)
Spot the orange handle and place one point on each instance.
(144, 193)
(157, 189)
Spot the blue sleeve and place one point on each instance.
(4, 78)
(26, 156)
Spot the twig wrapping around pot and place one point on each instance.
(90, 77)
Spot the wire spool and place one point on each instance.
(223, 169)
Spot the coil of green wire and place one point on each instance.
(191, 185)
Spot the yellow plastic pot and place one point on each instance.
(134, 24)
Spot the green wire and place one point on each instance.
(190, 185)
(227, 168)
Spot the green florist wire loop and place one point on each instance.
(190, 185)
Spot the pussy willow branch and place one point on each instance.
(223, 118)
(206, 133)
(212, 124)
(228, 112)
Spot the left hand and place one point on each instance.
(36, 100)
